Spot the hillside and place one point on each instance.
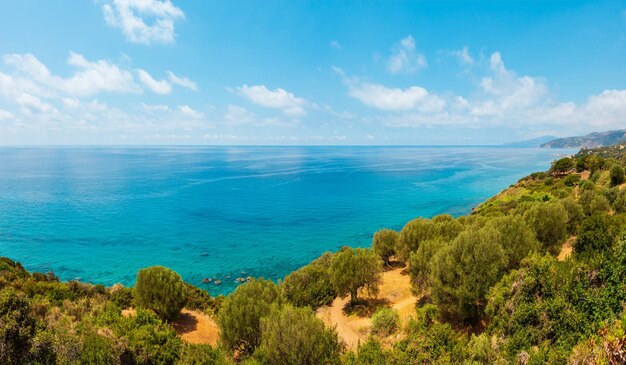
(592, 140)
(534, 275)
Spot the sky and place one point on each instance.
(143, 72)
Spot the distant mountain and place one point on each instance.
(534, 142)
(593, 140)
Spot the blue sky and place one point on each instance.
(319, 72)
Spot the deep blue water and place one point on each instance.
(102, 213)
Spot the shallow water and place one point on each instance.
(101, 213)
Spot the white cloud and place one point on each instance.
(395, 99)
(463, 56)
(182, 81)
(131, 17)
(158, 86)
(190, 112)
(404, 57)
(236, 115)
(335, 45)
(33, 77)
(288, 103)
(5, 115)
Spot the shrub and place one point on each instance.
(463, 272)
(384, 243)
(549, 221)
(122, 297)
(191, 354)
(311, 285)
(352, 269)
(594, 234)
(563, 165)
(516, 238)
(240, 315)
(617, 175)
(160, 289)
(571, 180)
(419, 262)
(17, 327)
(292, 335)
(385, 322)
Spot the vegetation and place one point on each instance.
(295, 336)
(385, 322)
(160, 289)
(353, 269)
(495, 287)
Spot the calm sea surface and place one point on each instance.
(101, 213)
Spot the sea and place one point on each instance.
(100, 214)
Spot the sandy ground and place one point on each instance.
(196, 327)
(566, 249)
(192, 326)
(395, 292)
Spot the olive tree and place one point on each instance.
(240, 314)
(549, 221)
(160, 289)
(463, 272)
(310, 285)
(292, 335)
(516, 238)
(384, 243)
(352, 269)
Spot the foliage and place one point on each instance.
(617, 175)
(515, 237)
(160, 289)
(311, 285)
(240, 315)
(385, 322)
(352, 269)
(549, 221)
(419, 263)
(17, 327)
(291, 335)
(384, 243)
(563, 165)
(463, 272)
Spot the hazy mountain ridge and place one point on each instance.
(533, 142)
(592, 140)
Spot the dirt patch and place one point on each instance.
(585, 175)
(130, 312)
(353, 322)
(566, 249)
(196, 327)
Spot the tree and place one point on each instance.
(594, 234)
(419, 262)
(617, 175)
(17, 327)
(240, 315)
(516, 238)
(575, 214)
(411, 235)
(352, 269)
(292, 335)
(463, 272)
(549, 221)
(311, 285)
(563, 165)
(160, 289)
(384, 243)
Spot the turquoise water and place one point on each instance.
(101, 213)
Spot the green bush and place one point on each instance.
(17, 327)
(617, 175)
(240, 314)
(310, 285)
(160, 289)
(549, 221)
(122, 297)
(385, 322)
(191, 354)
(291, 335)
(384, 243)
(352, 269)
(571, 180)
(463, 272)
(419, 262)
